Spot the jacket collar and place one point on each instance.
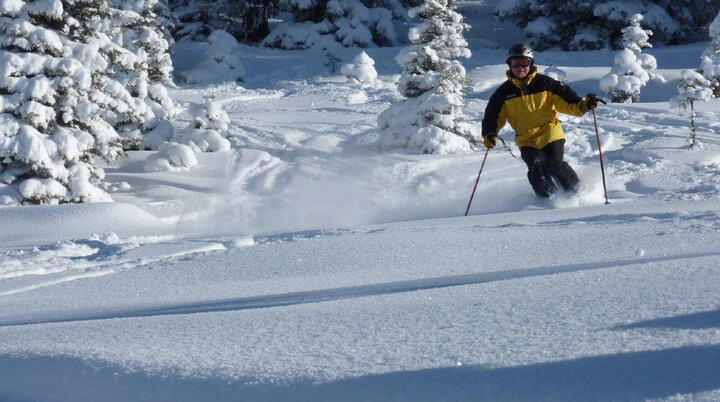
(524, 83)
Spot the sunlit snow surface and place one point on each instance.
(306, 265)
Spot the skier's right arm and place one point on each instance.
(495, 117)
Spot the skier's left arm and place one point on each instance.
(567, 101)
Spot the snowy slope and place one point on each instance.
(621, 303)
(306, 265)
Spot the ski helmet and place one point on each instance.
(520, 50)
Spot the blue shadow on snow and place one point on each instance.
(701, 320)
(619, 377)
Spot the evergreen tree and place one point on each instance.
(710, 60)
(143, 29)
(59, 100)
(96, 22)
(247, 20)
(582, 24)
(431, 117)
(361, 70)
(693, 87)
(146, 27)
(255, 23)
(632, 69)
(207, 130)
(363, 23)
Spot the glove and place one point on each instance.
(591, 101)
(490, 140)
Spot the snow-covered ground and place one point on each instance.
(306, 265)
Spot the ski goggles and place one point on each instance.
(520, 62)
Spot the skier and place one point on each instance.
(530, 102)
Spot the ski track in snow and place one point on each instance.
(89, 258)
(327, 295)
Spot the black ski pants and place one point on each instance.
(546, 163)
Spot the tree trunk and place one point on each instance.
(692, 122)
(255, 23)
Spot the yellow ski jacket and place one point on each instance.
(531, 106)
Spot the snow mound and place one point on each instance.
(162, 133)
(204, 140)
(222, 62)
(45, 223)
(556, 73)
(203, 134)
(209, 115)
(170, 157)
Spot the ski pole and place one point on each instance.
(602, 165)
(477, 181)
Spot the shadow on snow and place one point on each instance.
(700, 320)
(621, 377)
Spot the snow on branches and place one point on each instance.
(142, 29)
(361, 70)
(76, 78)
(430, 119)
(700, 86)
(556, 73)
(363, 23)
(632, 69)
(693, 87)
(56, 96)
(710, 59)
(205, 133)
(586, 25)
(222, 61)
(246, 20)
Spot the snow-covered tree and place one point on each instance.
(361, 70)
(557, 73)
(97, 22)
(363, 23)
(582, 24)
(256, 19)
(431, 118)
(710, 60)
(693, 87)
(58, 100)
(146, 29)
(221, 61)
(205, 133)
(247, 20)
(634, 37)
(143, 29)
(633, 69)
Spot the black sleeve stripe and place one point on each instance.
(492, 112)
(563, 91)
(543, 83)
(494, 106)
